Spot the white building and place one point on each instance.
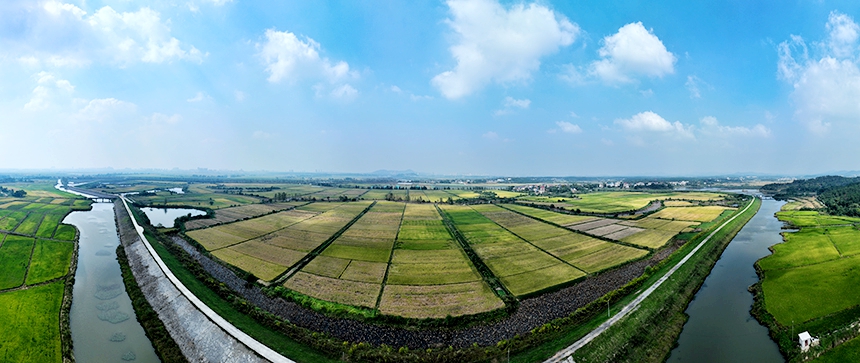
(807, 341)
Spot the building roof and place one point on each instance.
(804, 336)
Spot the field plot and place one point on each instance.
(808, 246)
(272, 252)
(197, 196)
(229, 234)
(557, 218)
(812, 219)
(51, 259)
(232, 214)
(521, 266)
(14, 259)
(695, 214)
(382, 194)
(30, 324)
(614, 202)
(30, 224)
(807, 292)
(813, 273)
(583, 252)
(363, 250)
(460, 193)
(430, 276)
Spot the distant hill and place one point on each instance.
(807, 187)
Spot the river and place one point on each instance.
(721, 328)
(103, 323)
(166, 216)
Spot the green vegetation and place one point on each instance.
(50, 260)
(810, 282)
(14, 259)
(616, 202)
(30, 324)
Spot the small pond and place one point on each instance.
(167, 216)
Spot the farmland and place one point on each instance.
(614, 202)
(399, 258)
(34, 261)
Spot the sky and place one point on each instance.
(474, 87)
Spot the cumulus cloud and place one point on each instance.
(200, 96)
(103, 110)
(47, 86)
(568, 127)
(63, 34)
(826, 87)
(711, 125)
(649, 121)
(692, 85)
(630, 53)
(288, 58)
(499, 44)
(510, 104)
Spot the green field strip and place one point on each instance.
(486, 273)
(390, 257)
(621, 243)
(15, 254)
(30, 225)
(535, 246)
(319, 249)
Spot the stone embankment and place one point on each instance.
(198, 337)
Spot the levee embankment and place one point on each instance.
(199, 339)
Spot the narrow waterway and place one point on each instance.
(103, 324)
(721, 328)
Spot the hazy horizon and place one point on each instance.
(465, 87)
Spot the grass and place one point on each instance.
(807, 292)
(614, 202)
(50, 260)
(808, 246)
(65, 232)
(557, 218)
(29, 324)
(14, 259)
(813, 219)
(30, 225)
(846, 352)
(695, 214)
(49, 225)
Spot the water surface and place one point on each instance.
(103, 324)
(721, 328)
(166, 216)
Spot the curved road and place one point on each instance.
(566, 355)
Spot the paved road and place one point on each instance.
(565, 355)
(245, 339)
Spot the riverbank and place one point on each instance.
(198, 338)
(633, 339)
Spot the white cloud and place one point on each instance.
(692, 85)
(200, 96)
(498, 44)
(712, 126)
(286, 57)
(162, 119)
(651, 122)
(826, 87)
(344, 92)
(106, 110)
(240, 96)
(568, 127)
(47, 86)
(396, 89)
(630, 53)
(511, 102)
(61, 34)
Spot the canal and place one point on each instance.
(720, 328)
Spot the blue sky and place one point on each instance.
(467, 86)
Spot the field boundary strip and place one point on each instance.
(286, 275)
(489, 277)
(228, 328)
(584, 233)
(532, 244)
(390, 258)
(565, 354)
